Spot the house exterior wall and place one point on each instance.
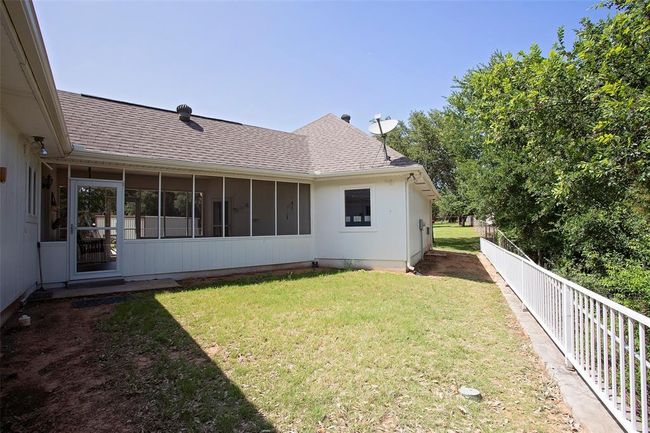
(173, 256)
(142, 258)
(382, 245)
(419, 208)
(156, 257)
(19, 232)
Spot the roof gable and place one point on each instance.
(337, 146)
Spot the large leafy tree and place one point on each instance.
(422, 140)
(556, 148)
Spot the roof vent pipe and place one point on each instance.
(184, 112)
(346, 117)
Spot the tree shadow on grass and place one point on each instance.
(159, 361)
(441, 263)
(125, 367)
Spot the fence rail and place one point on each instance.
(496, 236)
(604, 341)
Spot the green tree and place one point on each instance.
(555, 148)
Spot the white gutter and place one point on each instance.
(82, 155)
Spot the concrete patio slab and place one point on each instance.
(131, 286)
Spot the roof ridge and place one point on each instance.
(314, 121)
(134, 104)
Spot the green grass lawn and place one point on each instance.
(451, 236)
(338, 351)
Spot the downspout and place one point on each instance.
(407, 193)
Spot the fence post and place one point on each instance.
(567, 319)
(522, 293)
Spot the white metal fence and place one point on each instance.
(605, 342)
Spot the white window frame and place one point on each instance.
(373, 214)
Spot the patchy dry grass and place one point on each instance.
(348, 351)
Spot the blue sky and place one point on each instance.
(284, 64)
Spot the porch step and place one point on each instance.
(96, 283)
(124, 287)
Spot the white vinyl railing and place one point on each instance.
(604, 341)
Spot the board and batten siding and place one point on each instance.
(153, 257)
(18, 229)
(382, 245)
(169, 256)
(419, 208)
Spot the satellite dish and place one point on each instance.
(381, 128)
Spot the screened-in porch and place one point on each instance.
(101, 222)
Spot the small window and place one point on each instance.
(29, 189)
(357, 207)
(32, 191)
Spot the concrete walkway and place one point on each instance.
(131, 286)
(585, 407)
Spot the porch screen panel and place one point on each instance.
(305, 208)
(176, 208)
(287, 208)
(141, 205)
(209, 190)
(238, 207)
(263, 208)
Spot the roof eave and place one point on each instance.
(79, 155)
(37, 68)
(155, 164)
(385, 171)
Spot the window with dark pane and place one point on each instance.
(287, 208)
(263, 208)
(357, 207)
(238, 207)
(305, 209)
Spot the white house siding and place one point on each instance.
(382, 245)
(419, 208)
(155, 257)
(172, 256)
(54, 261)
(18, 231)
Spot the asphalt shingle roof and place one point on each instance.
(327, 145)
(337, 146)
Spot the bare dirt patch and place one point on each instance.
(441, 263)
(53, 378)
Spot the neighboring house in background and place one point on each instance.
(135, 192)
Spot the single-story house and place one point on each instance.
(94, 188)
